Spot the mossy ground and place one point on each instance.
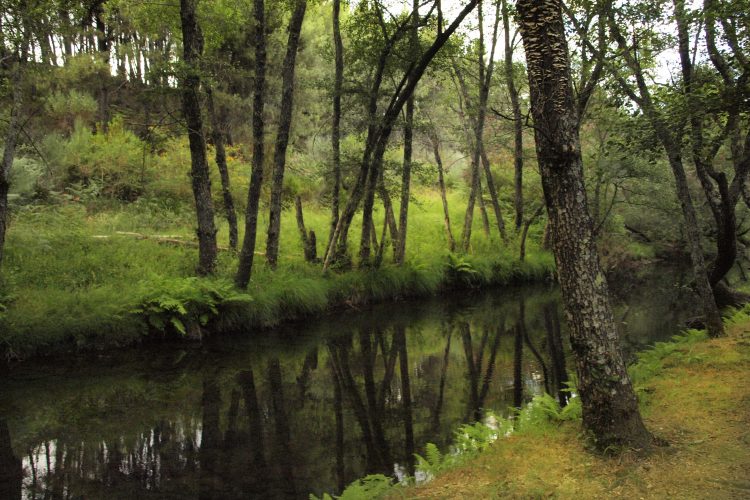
(699, 402)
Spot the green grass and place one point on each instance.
(70, 281)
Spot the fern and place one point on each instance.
(182, 305)
(433, 461)
(459, 271)
(369, 487)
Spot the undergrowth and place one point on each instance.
(88, 274)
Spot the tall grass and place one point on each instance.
(71, 281)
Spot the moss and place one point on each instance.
(699, 403)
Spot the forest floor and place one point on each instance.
(699, 402)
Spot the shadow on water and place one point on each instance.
(305, 409)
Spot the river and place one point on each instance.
(303, 409)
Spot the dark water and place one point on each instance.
(305, 409)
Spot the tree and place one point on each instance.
(610, 407)
(282, 136)
(670, 138)
(218, 136)
(192, 41)
(377, 139)
(400, 250)
(256, 177)
(12, 65)
(338, 84)
(514, 95)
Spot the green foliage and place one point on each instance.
(187, 303)
(369, 487)
(459, 271)
(544, 413)
(113, 161)
(652, 361)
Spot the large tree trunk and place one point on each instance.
(282, 137)
(193, 49)
(218, 136)
(256, 177)
(338, 83)
(610, 407)
(11, 140)
(517, 118)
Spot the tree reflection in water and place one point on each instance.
(307, 412)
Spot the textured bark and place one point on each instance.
(201, 183)
(282, 137)
(336, 120)
(390, 217)
(245, 267)
(217, 136)
(610, 407)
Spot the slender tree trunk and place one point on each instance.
(483, 207)
(443, 194)
(103, 47)
(379, 134)
(610, 407)
(494, 199)
(282, 137)
(247, 253)
(525, 231)
(390, 217)
(403, 216)
(336, 121)
(517, 118)
(308, 239)
(400, 337)
(221, 162)
(193, 49)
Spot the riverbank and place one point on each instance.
(78, 279)
(693, 394)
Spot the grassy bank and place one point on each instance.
(72, 280)
(693, 393)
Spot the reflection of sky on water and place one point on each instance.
(305, 409)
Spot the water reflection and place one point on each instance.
(308, 411)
